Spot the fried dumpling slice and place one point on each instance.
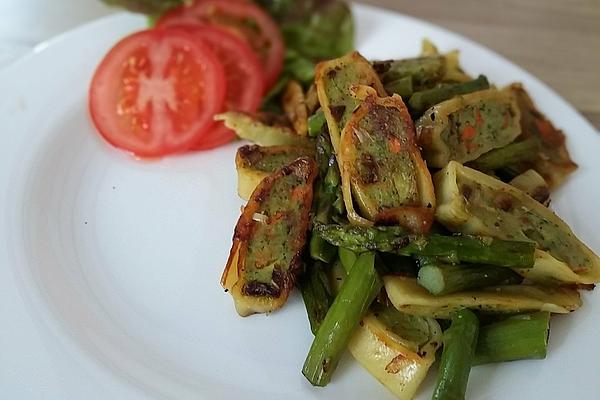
(263, 129)
(381, 166)
(553, 162)
(254, 163)
(334, 79)
(265, 258)
(474, 203)
(465, 127)
(411, 298)
(400, 354)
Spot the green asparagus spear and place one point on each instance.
(339, 207)
(453, 249)
(347, 257)
(316, 122)
(331, 176)
(333, 188)
(327, 186)
(324, 152)
(356, 294)
(421, 101)
(424, 71)
(440, 278)
(387, 239)
(519, 337)
(460, 341)
(402, 87)
(388, 263)
(321, 250)
(337, 274)
(512, 154)
(414, 330)
(473, 249)
(316, 294)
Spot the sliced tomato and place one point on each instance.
(243, 73)
(242, 18)
(156, 92)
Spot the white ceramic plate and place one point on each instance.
(109, 269)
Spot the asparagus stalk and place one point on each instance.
(402, 87)
(316, 122)
(356, 238)
(512, 154)
(421, 101)
(412, 330)
(316, 294)
(329, 174)
(460, 341)
(519, 337)
(356, 294)
(453, 249)
(332, 178)
(333, 188)
(347, 258)
(321, 250)
(424, 71)
(327, 186)
(440, 279)
(473, 249)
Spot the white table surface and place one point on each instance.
(26, 23)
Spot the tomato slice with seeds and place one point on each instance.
(155, 93)
(244, 77)
(242, 18)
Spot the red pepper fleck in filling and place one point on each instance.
(506, 120)
(395, 145)
(468, 133)
(478, 119)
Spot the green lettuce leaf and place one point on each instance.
(325, 31)
(313, 30)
